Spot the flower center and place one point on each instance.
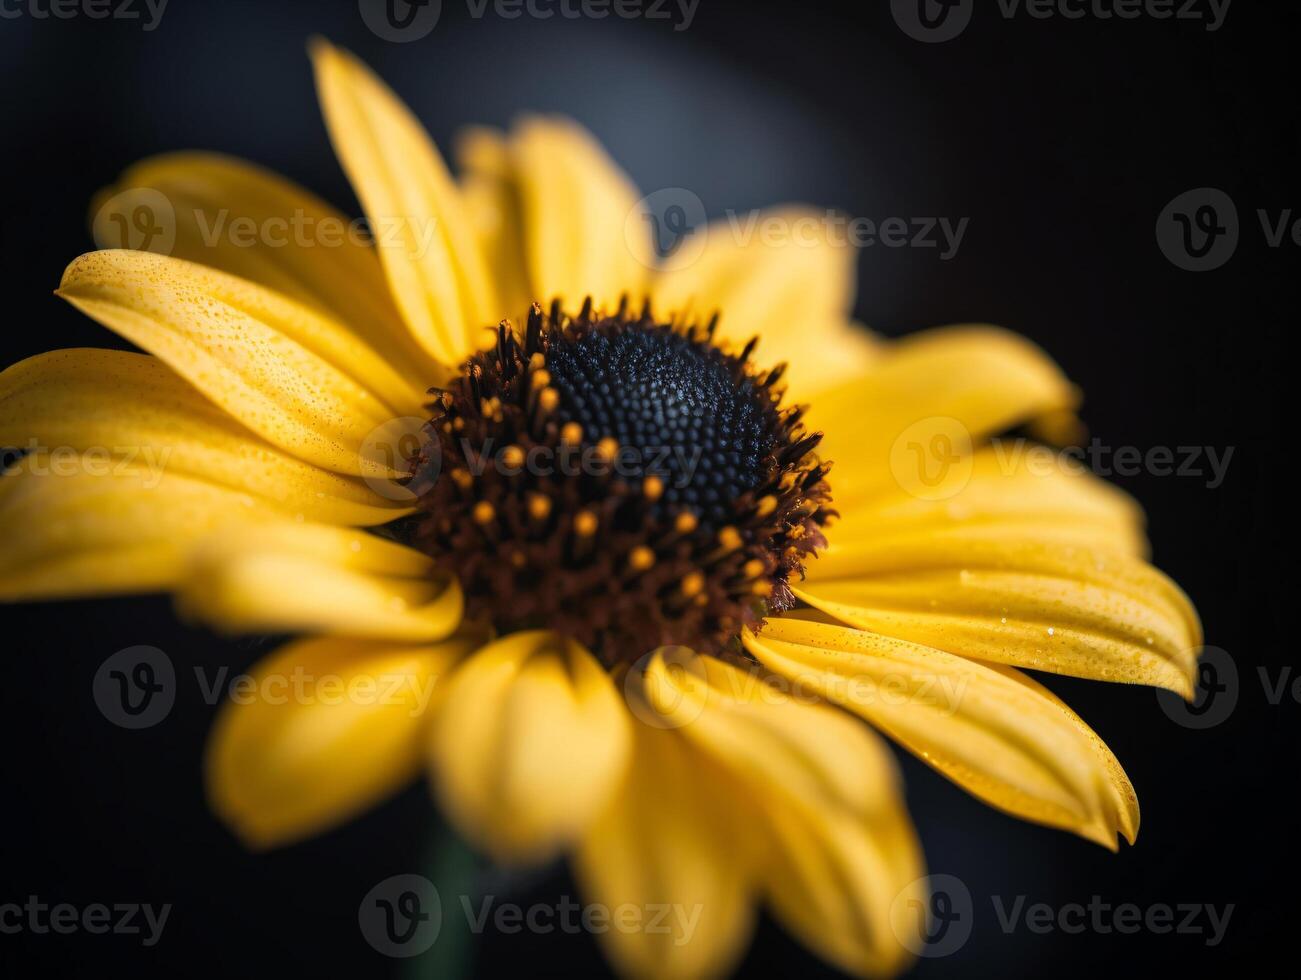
(627, 482)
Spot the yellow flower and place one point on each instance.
(662, 673)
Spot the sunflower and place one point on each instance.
(605, 533)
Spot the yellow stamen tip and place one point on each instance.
(585, 524)
(641, 558)
(763, 587)
(541, 378)
(729, 538)
(539, 507)
(766, 506)
(652, 487)
(608, 448)
(462, 479)
(753, 568)
(513, 457)
(549, 398)
(484, 512)
(686, 522)
(692, 584)
(572, 433)
(537, 362)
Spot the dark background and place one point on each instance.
(1061, 139)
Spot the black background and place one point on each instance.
(1060, 139)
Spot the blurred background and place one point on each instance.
(1058, 140)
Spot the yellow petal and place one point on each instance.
(135, 409)
(341, 547)
(849, 891)
(668, 850)
(492, 205)
(1027, 600)
(131, 569)
(321, 579)
(428, 247)
(78, 524)
(321, 730)
(239, 218)
(841, 860)
(762, 730)
(295, 378)
(991, 731)
(934, 396)
(1020, 488)
(528, 746)
(779, 275)
(583, 232)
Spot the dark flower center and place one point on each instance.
(626, 482)
(676, 407)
